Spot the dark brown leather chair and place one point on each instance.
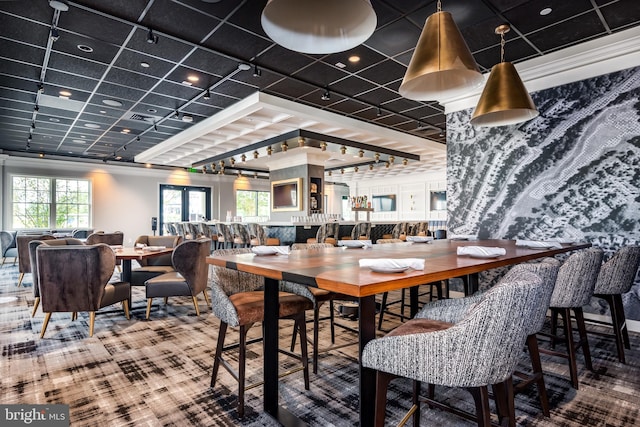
(76, 278)
(33, 245)
(157, 265)
(22, 243)
(189, 277)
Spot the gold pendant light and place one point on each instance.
(441, 66)
(319, 27)
(504, 100)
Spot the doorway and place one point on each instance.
(180, 203)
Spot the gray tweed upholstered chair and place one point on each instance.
(225, 236)
(573, 289)
(319, 297)
(240, 234)
(238, 301)
(76, 278)
(257, 235)
(189, 278)
(452, 310)
(400, 231)
(22, 244)
(33, 245)
(8, 246)
(361, 231)
(327, 233)
(616, 278)
(480, 350)
(157, 265)
(205, 231)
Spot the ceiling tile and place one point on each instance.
(234, 41)
(320, 74)
(581, 27)
(178, 20)
(621, 14)
(352, 86)
(384, 72)
(527, 18)
(394, 38)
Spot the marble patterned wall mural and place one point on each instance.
(573, 172)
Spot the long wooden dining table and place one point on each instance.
(338, 270)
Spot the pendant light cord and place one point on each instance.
(439, 7)
(502, 43)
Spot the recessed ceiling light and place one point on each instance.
(103, 112)
(546, 11)
(152, 110)
(92, 126)
(187, 119)
(64, 94)
(186, 83)
(340, 65)
(144, 64)
(85, 48)
(78, 141)
(193, 79)
(53, 119)
(125, 131)
(354, 58)
(112, 103)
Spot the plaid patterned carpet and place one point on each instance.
(157, 372)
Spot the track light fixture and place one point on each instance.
(377, 157)
(301, 142)
(33, 125)
(370, 166)
(255, 175)
(152, 38)
(342, 171)
(387, 164)
(176, 114)
(326, 96)
(243, 158)
(40, 87)
(323, 146)
(221, 163)
(255, 154)
(207, 95)
(356, 169)
(391, 159)
(232, 161)
(54, 34)
(269, 150)
(257, 72)
(155, 126)
(137, 138)
(204, 169)
(29, 139)
(36, 108)
(284, 146)
(360, 153)
(405, 162)
(124, 148)
(343, 149)
(379, 112)
(329, 173)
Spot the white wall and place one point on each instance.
(412, 196)
(124, 198)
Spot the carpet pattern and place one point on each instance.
(157, 372)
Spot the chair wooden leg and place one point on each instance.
(481, 399)
(195, 305)
(534, 354)
(619, 324)
(316, 323)
(216, 358)
(331, 324)
(45, 323)
(92, 321)
(74, 316)
(125, 307)
(302, 330)
(504, 396)
(206, 297)
(36, 303)
(621, 321)
(242, 361)
(571, 348)
(20, 279)
(554, 327)
(166, 300)
(382, 382)
(149, 301)
(383, 306)
(584, 341)
(294, 336)
(416, 403)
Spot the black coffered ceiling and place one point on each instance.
(209, 40)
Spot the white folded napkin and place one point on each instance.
(415, 263)
(463, 237)
(355, 243)
(537, 244)
(481, 251)
(270, 250)
(153, 248)
(419, 239)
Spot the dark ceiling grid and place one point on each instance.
(186, 26)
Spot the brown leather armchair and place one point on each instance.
(154, 266)
(22, 243)
(76, 278)
(33, 245)
(190, 277)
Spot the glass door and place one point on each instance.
(180, 203)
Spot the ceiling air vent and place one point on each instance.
(142, 118)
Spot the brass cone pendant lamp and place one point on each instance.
(441, 66)
(319, 27)
(504, 100)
